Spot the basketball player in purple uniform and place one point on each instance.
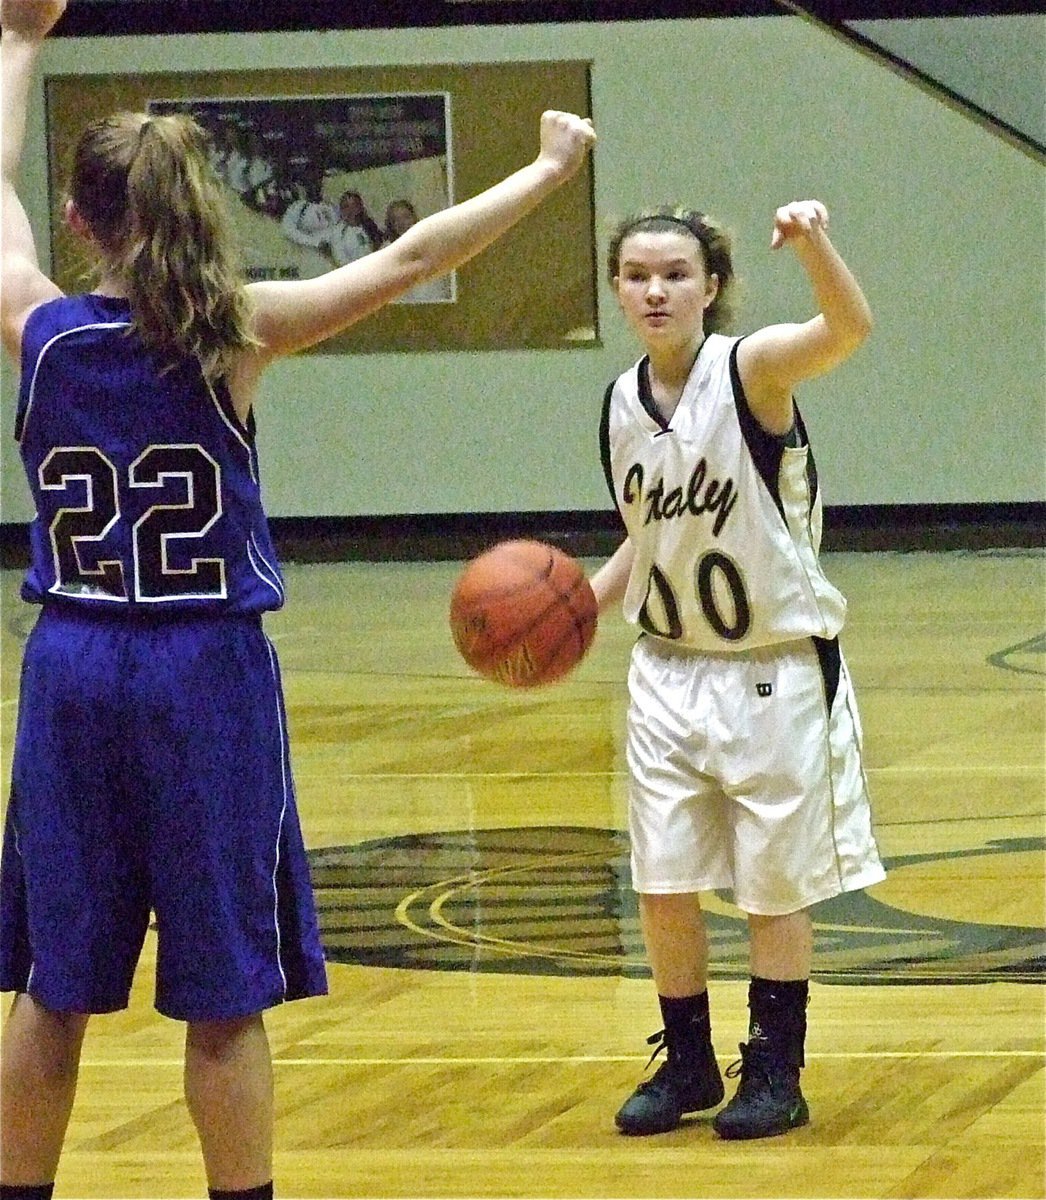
(743, 737)
(151, 769)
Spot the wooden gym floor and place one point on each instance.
(489, 1001)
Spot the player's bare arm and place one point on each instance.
(296, 314)
(775, 359)
(24, 285)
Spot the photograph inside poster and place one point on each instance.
(322, 181)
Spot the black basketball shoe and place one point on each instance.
(680, 1085)
(768, 1100)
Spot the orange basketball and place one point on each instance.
(523, 613)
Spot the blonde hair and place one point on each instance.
(716, 249)
(145, 187)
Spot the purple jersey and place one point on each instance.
(145, 481)
(151, 769)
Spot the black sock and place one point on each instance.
(687, 1021)
(777, 1009)
(26, 1191)
(262, 1192)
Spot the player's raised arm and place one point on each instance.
(293, 315)
(22, 284)
(774, 359)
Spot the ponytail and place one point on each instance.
(146, 188)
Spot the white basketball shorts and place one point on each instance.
(746, 775)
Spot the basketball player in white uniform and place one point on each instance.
(744, 744)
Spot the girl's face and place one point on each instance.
(663, 287)
(399, 218)
(350, 206)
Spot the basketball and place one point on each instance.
(523, 614)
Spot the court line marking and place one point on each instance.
(951, 769)
(551, 1060)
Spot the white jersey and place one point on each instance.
(348, 243)
(725, 517)
(309, 222)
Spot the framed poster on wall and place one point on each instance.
(324, 166)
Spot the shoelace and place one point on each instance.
(743, 1065)
(753, 1067)
(660, 1043)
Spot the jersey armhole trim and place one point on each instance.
(604, 443)
(22, 414)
